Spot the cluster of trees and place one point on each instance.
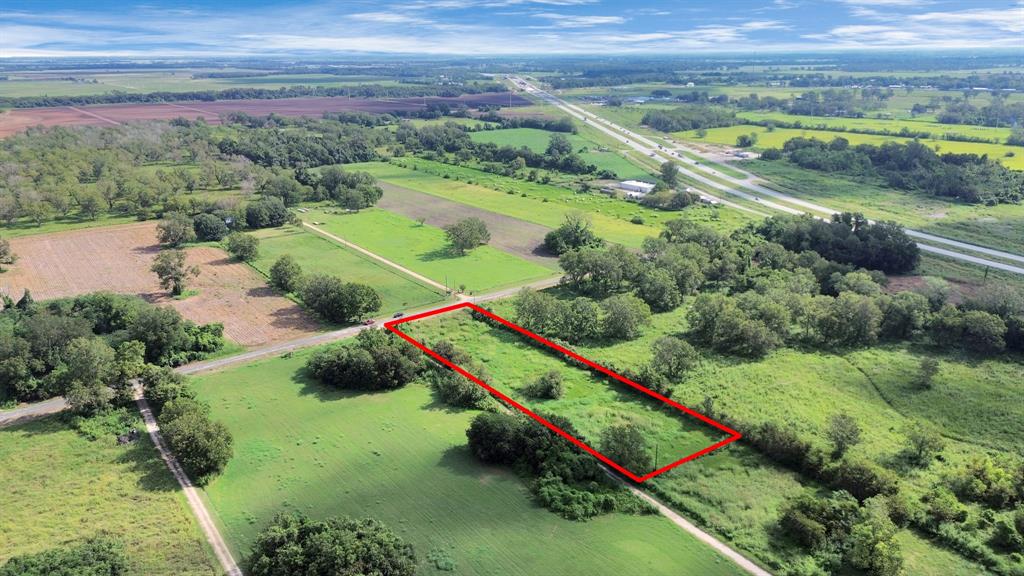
(336, 300)
(91, 347)
(575, 232)
(846, 238)
(359, 91)
(562, 124)
(294, 544)
(566, 480)
(376, 361)
(998, 112)
(621, 316)
(453, 388)
(201, 445)
(94, 557)
(314, 143)
(689, 117)
(911, 166)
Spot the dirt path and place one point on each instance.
(213, 535)
(512, 235)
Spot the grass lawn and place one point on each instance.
(60, 488)
(400, 457)
(590, 151)
(1000, 226)
(542, 204)
(424, 249)
(319, 255)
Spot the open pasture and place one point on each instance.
(401, 457)
(424, 249)
(60, 488)
(318, 255)
(118, 258)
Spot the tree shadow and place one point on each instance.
(144, 459)
(311, 387)
(439, 254)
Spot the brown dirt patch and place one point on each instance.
(958, 290)
(19, 119)
(519, 237)
(117, 259)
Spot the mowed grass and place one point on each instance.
(779, 136)
(590, 404)
(318, 255)
(400, 457)
(543, 204)
(425, 250)
(60, 488)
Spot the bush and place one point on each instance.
(96, 557)
(626, 445)
(203, 447)
(286, 274)
(160, 385)
(456, 390)
(377, 361)
(861, 478)
(337, 301)
(175, 229)
(209, 227)
(624, 316)
(294, 545)
(244, 247)
(548, 387)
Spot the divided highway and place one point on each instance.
(719, 182)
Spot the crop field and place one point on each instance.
(543, 204)
(1000, 226)
(590, 404)
(424, 250)
(776, 138)
(537, 140)
(737, 492)
(60, 488)
(118, 258)
(400, 457)
(936, 129)
(319, 255)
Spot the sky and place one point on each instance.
(110, 28)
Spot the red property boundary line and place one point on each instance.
(733, 435)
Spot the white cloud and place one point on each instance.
(573, 21)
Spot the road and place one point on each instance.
(754, 192)
(195, 502)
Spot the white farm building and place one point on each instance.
(636, 188)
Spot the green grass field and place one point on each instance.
(424, 249)
(589, 403)
(1000, 226)
(60, 488)
(543, 204)
(322, 256)
(936, 129)
(779, 136)
(400, 457)
(737, 492)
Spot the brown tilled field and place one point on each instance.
(19, 119)
(117, 259)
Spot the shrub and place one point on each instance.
(548, 386)
(286, 274)
(377, 361)
(95, 557)
(209, 227)
(624, 316)
(242, 246)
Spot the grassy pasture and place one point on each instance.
(1000, 226)
(775, 139)
(936, 129)
(424, 249)
(589, 403)
(319, 255)
(543, 204)
(400, 457)
(60, 488)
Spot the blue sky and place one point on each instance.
(498, 27)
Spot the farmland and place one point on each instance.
(400, 457)
(778, 136)
(936, 129)
(424, 250)
(118, 258)
(322, 256)
(543, 204)
(61, 488)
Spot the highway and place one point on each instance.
(719, 182)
